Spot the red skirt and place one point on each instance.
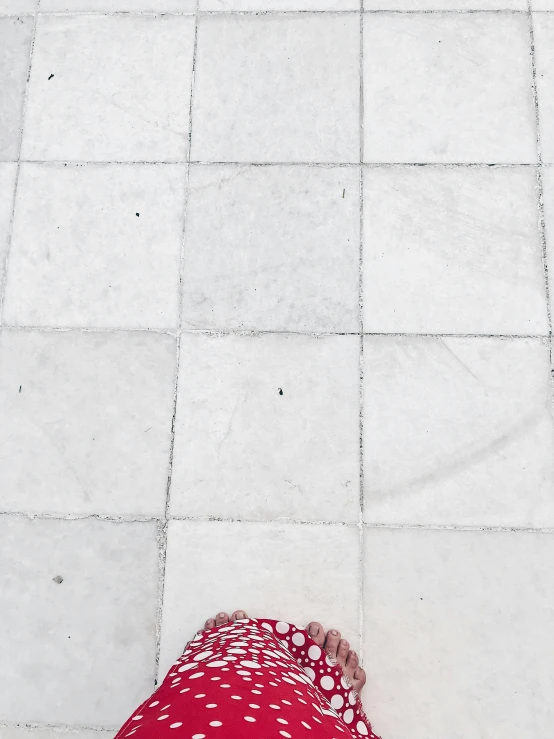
(251, 679)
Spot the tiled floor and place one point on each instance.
(276, 334)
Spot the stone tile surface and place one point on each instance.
(120, 89)
(96, 246)
(277, 89)
(279, 576)
(267, 427)
(453, 251)
(121, 6)
(85, 422)
(272, 248)
(253, 5)
(7, 183)
(24, 732)
(543, 26)
(15, 43)
(458, 627)
(18, 6)
(97, 625)
(458, 431)
(451, 5)
(436, 85)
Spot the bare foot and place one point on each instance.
(223, 618)
(339, 650)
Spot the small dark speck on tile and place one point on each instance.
(20, 388)
(58, 579)
(421, 599)
(148, 429)
(50, 77)
(137, 214)
(280, 391)
(343, 193)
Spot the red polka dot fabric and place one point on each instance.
(251, 679)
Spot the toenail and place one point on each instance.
(314, 630)
(334, 632)
(221, 615)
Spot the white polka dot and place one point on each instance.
(277, 708)
(163, 709)
(288, 703)
(155, 703)
(232, 659)
(316, 719)
(216, 723)
(257, 692)
(185, 690)
(347, 716)
(310, 673)
(198, 736)
(327, 682)
(211, 705)
(215, 678)
(306, 725)
(136, 718)
(203, 655)
(236, 697)
(224, 685)
(248, 663)
(314, 652)
(161, 718)
(239, 644)
(344, 682)
(176, 725)
(250, 719)
(253, 705)
(200, 695)
(282, 720)
(298, 639)
(289, 681)
(267, 626)
(337, 701)
(243, 672)
(284, 733)
(186, 667)
(197, 674)
(274, 685)
(237, 651)
(361, 727)
(176, 680)
(352, 698)
(302, 701)
(281, 627)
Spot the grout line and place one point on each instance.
(541, 208)
(4, 266)
(161, 520)
(324, 165)
(255, 333)
(163, 527)
(361, 359)
(59, 728)
(278, 13)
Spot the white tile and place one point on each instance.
(81, 651)
(543, 24)
(277, 89)
(244, 450)
(297, 573)
(458, 634)
(437, 85)
(7, 184)
(129, 6)
(453, 251)
(85, 421)
(272, 248)
(542, 5)
(444, 5)
(15, 41)
(458, 431)
(18, 6)
(120, 88)
(279, 5)
(81, 256)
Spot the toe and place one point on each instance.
(221, 618)
(358, 681)
(210, 623)
(352, 663)
(342, 652)
(237, 615)
(315, 630)
(332, 643)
